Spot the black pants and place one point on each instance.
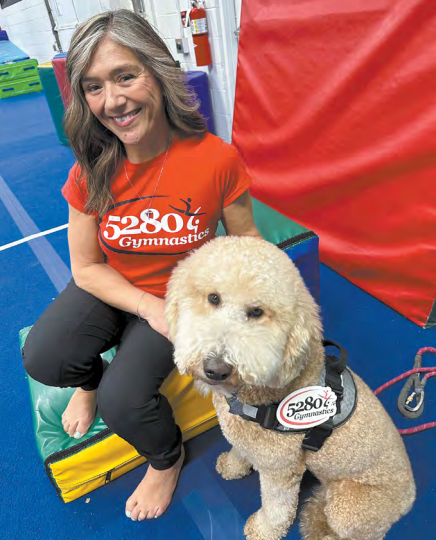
(63, 349)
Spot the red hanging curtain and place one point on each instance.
(335, 117)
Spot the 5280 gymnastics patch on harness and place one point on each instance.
(314, 410)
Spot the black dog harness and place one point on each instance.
(336, 375)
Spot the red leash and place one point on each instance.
(418, 393)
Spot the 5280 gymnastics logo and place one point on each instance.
(132, 227)
(307, 407)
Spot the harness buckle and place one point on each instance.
(268, 417)
(338, 389)
(315, 437)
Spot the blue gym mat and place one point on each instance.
(381, 344)
(35, 163)
(10, 52)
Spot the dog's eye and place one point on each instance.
(214, 299)
(255, 313)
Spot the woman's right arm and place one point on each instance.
(93, 275)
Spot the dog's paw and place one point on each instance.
(260, 528)
(232, 467)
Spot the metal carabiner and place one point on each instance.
(419, 395)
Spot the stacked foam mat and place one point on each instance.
(18, 73)
(54, 98)
(76, 467)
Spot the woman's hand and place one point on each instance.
(152, 309)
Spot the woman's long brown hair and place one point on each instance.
(98, 151)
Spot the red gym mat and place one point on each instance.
(60, 69)
(335, 116)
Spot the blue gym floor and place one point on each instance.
(381, 345)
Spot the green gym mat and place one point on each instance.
(16, 87)
(18, 70)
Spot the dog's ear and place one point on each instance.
(172, 307)
(178, 287)
(305, 328)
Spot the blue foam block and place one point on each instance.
(3, 35)
(200, 84)
(10, 52)
(305, 256)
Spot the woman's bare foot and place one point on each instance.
(153, 495)
(80, 413)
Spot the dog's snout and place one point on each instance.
(216, 369)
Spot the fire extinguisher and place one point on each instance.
(200, 35)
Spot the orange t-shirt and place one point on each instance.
(201, 176)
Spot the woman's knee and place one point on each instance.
(41, 360)
(53, 365)
(63, 347)
(121, 411)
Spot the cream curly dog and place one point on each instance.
(239, 307)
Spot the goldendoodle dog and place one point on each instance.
(245, 326)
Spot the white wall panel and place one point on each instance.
(213, 22)
(223, 126)
(3, 19)
(63, 12)
(170, 25)
(217, 78)
(238, 7)
(85, 8)
(220, 101)
(32, 2)
(109, 5)
(28, 26)
(166, 7)
(217, 50)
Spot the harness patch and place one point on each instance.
(307, 407)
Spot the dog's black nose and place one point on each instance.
(216, 370)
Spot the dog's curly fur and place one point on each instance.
(366, 482)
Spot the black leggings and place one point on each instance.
(63, 349)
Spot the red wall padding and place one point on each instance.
(335, 116)
(60, 69)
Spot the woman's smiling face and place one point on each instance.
(123, 94)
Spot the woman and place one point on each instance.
(149, 185)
